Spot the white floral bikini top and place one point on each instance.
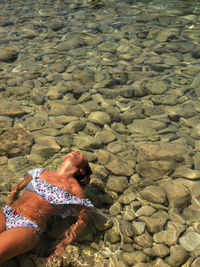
(55, 195)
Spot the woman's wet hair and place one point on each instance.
(84, 179)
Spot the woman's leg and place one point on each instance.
(2, 221)
(16, 241)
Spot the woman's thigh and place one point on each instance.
(16, 241)
(2, 221)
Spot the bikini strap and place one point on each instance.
(35, 173)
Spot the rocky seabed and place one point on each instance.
(121, 83)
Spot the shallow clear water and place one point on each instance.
(36, 27)
(137, 61)
(111, 48)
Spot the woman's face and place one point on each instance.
(76, 159)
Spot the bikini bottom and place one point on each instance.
(14, 219)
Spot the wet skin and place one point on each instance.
(18, 240)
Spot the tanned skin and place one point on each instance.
(19, 240)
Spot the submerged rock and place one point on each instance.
(15, 142)
(11, 109)
(101, 221)
(156, 87)
(117, 183)
(99, 117)
(178, 256)
(190, 241)
(154, 194)
(169, 236)
(161, 158)
(8, 53)
(178, 195)
(118, 167)
(160, 250)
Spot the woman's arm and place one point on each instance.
(16, 189)
(74, 231)
(83, 216)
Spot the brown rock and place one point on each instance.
(119, 167)
(160, 263)
(73, 127)
(154, 169)
(119, 146)
(86, 142)
(100, 118)
(11, 109)
(183, 172)
(154, 194)
(156, 222)
(5, 122)
(100, 220)
(178, 256)
(129, 258)
(117, 183)
(105, 136)
(36, 122)
(128, 156)
(99, 170)
(114, 235)
(8, 53)
(128, 215)
(104, 157)
(170, 236)
(115, 209)
(126, 228)
(174, 216)
(160, 158)
(142, 264)
(196, 263)
(156, 87)
(144, 240)
(127, 197)
(160, 250)
(178, 195)
(138, 227)
(15, 142)
(145, 211)
(190, 241)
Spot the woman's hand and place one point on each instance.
(54, 260)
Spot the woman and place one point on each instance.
(46, 193)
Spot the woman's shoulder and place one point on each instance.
(75, 188)
(70, 184)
